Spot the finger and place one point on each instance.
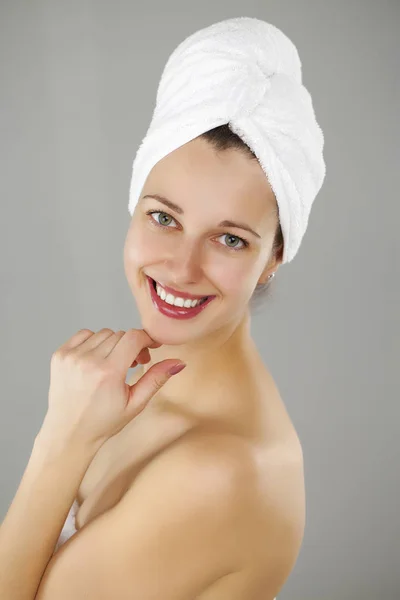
(141, 360)
(94, 341)
(127, 349)
(76, 339)
(108, 344)
(154, 344)
(148, 385)
(143, 356)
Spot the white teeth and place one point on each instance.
(175, 300)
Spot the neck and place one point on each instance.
(208, 362)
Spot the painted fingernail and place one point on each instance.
(176, 368)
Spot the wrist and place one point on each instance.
(51, 446)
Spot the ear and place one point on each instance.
(272, 267)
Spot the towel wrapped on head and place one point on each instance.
(246, 73)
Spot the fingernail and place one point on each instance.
(176, 368)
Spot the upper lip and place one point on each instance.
(171, 290)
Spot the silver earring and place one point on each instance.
(271, 276)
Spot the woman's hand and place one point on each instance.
(89, 400)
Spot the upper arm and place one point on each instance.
(169, 537)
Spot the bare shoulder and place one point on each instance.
(261, 495)
(210, 463)
(254, 490)
(260, 492)
(268, 518)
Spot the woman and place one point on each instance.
(189, 486)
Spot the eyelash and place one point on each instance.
(150, 212)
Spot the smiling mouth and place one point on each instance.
(154, 284)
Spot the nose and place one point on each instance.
(184, 266)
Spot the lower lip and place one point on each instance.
(176, 312)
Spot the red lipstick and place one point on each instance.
(176, 312)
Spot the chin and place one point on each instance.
(168, 334)
(164, 334)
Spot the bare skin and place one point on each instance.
(225, 392)
(269, 436)
(266, 426)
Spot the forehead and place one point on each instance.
(195, 174)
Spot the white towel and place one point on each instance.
(69, 528)
(245, 72)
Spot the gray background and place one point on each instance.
(78, 84)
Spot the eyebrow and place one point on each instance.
(179, 210)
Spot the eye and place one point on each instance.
(244, 242)
(228, 235)
(158, 212)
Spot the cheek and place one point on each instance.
(140, 249)
(134, 256)
(233, 278)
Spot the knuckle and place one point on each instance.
(141, 332)
(133, 331)
(57, 356)
(157, 384)
(72, 358)
(139, 335)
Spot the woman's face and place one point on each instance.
(188, 249)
